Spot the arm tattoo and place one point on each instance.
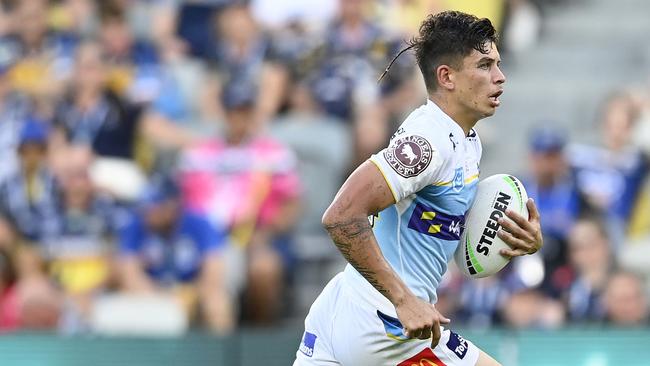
(352, 238)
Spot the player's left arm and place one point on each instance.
(523, 235)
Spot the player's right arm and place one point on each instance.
(366, 192)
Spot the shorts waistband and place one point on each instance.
(362, 292)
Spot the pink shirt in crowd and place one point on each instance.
(234, 184)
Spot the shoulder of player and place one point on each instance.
(435, 133)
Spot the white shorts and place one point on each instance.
(346, 326)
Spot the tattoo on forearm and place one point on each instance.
(351, 237)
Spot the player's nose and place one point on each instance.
(499, 77)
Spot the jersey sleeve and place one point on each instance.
(409, 163)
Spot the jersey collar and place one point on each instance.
(444, 117)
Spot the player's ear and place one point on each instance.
(445, 76)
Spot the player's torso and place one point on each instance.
(419, 234)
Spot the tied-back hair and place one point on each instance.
(446, 38)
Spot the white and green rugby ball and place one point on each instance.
(478, 251)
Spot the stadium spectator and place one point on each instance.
(134, 65)
(244, 57)
(92, 115)
(14, 108)
(166, 248)
(611, 175)
(179, 115)
(344, 78)
(626, 301)
(43, 56)
(507, 298)
(184, 109)
(352, 50)
(323, 147)
(78, 255)
(480, 300)
(153, 21)
(74, 16)
(195, 21)
(29, 196)
(639, 225)
(553, 187)
(590, 256)
(247, 183)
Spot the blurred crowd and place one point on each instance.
(166, 164)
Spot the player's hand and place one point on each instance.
(420, 319)
(523, 236)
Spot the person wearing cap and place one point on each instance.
(166, 248)
(247, 182)
(43, 54)
(78, 255)
(29, 196)
(551, 184)
(91, 114)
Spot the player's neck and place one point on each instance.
(455, 111)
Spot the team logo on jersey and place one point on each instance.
(437, 224)
(459, 179)
(457, 344)
(307, 344)
(409, 155)
(424, 358)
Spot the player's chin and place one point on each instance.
(488, 112)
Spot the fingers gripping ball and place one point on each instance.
(478, 251)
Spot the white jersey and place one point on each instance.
(432, 170)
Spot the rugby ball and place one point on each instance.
(477, 254)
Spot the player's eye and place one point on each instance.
(484, 66)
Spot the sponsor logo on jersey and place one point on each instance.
(424, 358)
(457, 344)
(437, 224)
(307, 344)
(409, 155)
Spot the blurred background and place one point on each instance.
(165, 164)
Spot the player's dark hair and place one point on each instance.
(446, 38)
